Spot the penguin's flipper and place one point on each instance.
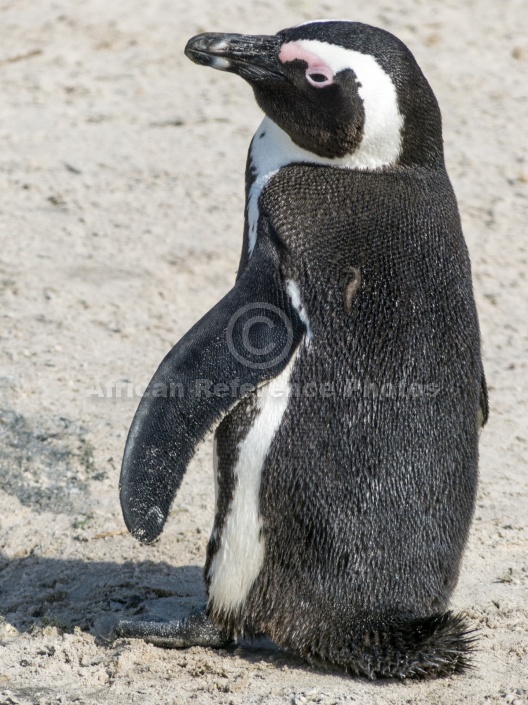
(246, 339)
(483, 403)
(195, 630)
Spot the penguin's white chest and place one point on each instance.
(240, 557)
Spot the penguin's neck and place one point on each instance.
(271, 149)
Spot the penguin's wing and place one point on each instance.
(483, 403)
(246, 339)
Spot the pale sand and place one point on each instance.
(121, 194)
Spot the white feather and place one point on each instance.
(240, 556)
(295, 295)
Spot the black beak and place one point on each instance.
(254, 58)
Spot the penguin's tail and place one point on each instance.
(425, 647)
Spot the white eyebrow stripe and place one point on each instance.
(382, 132)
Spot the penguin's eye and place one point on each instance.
(318, 79)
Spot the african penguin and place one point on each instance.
(342, 372)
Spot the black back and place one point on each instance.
(369, 487)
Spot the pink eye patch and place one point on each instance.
(318, 74)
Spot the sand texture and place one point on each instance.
(121, 204)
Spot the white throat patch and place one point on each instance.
(272, 149)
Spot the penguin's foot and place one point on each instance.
(195, 630)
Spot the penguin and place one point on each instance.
(342, 373)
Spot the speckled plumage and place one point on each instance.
(368, 493)
(366, 484)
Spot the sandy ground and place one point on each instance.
(121, 201)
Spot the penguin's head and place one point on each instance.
(338, 89)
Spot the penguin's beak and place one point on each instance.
(255, 58)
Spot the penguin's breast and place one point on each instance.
(242, 443)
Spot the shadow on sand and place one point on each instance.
(37, 592)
